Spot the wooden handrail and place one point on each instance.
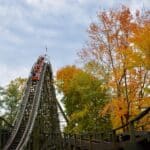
(138, 117)
(113, 132)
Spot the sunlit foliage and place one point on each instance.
(119, 41)
(84, 96)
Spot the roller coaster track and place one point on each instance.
(38, 101)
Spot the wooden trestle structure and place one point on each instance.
(37, 120)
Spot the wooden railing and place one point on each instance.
(131, 126)
(87, 140)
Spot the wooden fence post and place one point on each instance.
(114, 138)
(75, 141)
(90, 142)
(132, 132)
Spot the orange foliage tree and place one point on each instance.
(64, 76)
(110, 46)
(141, 42)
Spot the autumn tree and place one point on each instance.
(64, 76)
(141, 42)
(110, 46)
(84, 96)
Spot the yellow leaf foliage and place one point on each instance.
(141, 39)
(64, 76)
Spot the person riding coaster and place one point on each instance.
(38, 68)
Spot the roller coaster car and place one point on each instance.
(41, 60)
(36, 77)
(38, 69)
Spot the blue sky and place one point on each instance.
(27, 26)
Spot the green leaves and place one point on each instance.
(10, 98)
(84, 97)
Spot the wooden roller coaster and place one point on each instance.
(37, 117)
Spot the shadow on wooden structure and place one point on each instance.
(134, 138)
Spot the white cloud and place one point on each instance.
(141, 4)
(7, 73)
(50, 5)
(10, 37)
